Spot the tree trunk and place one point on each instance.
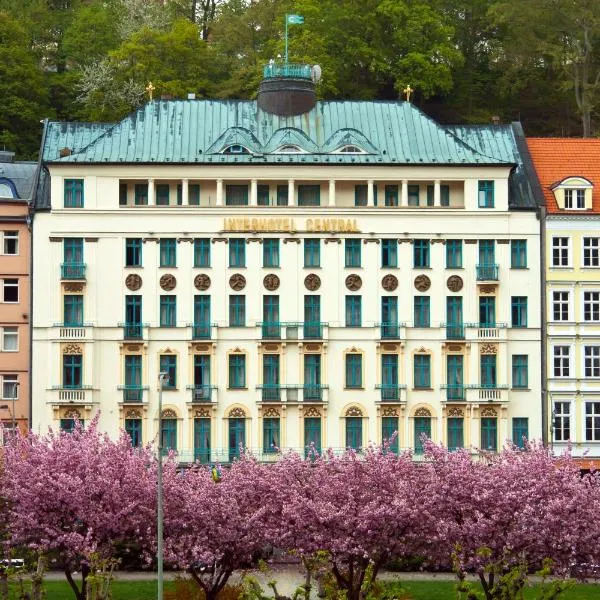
(37, 580)
(586, 119)
(79, 594)
(3, 585)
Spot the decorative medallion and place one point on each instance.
(201, 347)
(202, 282)
(202, 413)
(454, 347)
(389, 283)
(354, 411)
(271, 347)
(74, 287)
(271, 282)
(237, 413)
(312, 347)
(456, 412)
(487, 289)
(353, 282)
(488, 411)
(454, 283)
(312, 412)
(271, 412)
(133, 282)
(168, 282)
(237, 282)
(72, 349)
(389, 411)
(169, 413)
(133, 413)
(73, 414)
(312, 282)
(422, 412)
(489, 349)
(422, 283)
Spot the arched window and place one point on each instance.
(290, 149)
(236, 149)
(7, 188)
(350, 149)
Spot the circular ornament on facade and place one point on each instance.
(312, 282)
(202, 282)
(271, 282)
(168, 282)
(422, 283)
(389, 283)
(454, 283)
(237, 282)
(353, 282)
(133, 282)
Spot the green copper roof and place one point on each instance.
(198, 131)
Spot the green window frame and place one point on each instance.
(389, 317)
(271, 376)
(202, 252)
(518, 311)
(422, 311)
(73, 193)
(520, 371)
(389, 427)
(236, 195)
(194, 194)
(162, 194)
(133, 310)
(140, 194)
(413, 195)
(489, 433)
(312, 317)
(488, 371)
(422, 371)
(518, 254)
(73, 251)
(444, 195)
(237, 253)
(133, 428)
(168, 365)
(68, 425)
(487, 311)
(237, 436)
(73, 310)
(262, 195)
(271, 252)
(283, 192)
(168, 434)
(237, 310)
(389, 377)
(361, 195)
(520, 430)
(312, 252)
(237, 371)
(312, 377)
(202, 321)
(202, 371)
(133, 252)
(389, 253)
(454, 254)
(354, 432)
(487, 253)
(271, 324)
(354, 371)
(312, 434)
(168, 310)
(456, 436)
(202, 427)
(422, 425)
(391, 195)
(455, 377)
(168, 252)
(485, 194)
(309, 195)
(271, 435)
(123, 192)
(352, 254)
(421, 254)
(72, 371)
(133, 376)
(353, 311)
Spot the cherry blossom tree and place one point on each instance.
(77, 495)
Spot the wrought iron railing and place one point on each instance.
(290, 70)
(72, 270)
(487, 272)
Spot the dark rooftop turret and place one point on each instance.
(287, 89)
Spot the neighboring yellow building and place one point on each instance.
(569, 173)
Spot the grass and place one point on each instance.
(122, 590)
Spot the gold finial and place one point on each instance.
(150, 88)
(408, 91)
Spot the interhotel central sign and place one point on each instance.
(289, 225)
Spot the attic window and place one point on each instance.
(289, 149)
(236, 149)
(350, 149)
(574, 193)
(575, 198)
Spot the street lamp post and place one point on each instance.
(162, 377)
(14, 398)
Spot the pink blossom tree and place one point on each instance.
(77, 495)
(213, 528)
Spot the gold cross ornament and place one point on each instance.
(150, 88)
(407, 91)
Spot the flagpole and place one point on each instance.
(286, 39)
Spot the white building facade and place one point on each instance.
(301, 280)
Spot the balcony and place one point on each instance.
(201, 393)
(390, 392)
(454, 391)
(272, 392)
(72, 270)
(287, 71)
(271, 330)
(313, 330)
(81, 394)
(454, 331)
(201, 331)
(72, 331)
(314, 392)
(133, 393)
(487, 272)
(390, 330)
(487, 392)
(488, 331)
(133, 331)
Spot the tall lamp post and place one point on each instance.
(162, 377)
(14, 399)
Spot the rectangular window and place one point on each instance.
(487, 253)
(577, 195)
(592, 421)
(389, 432)
(352, 254)
(560, 306)
(489, 434)
(271, 252)
(202, 440)
(562, 361)
(312, 377)
(133, 309)
(73, 193)
(202, 252)
(162, 194)
(360, 195)
(168, 311)
(237, 371)
(168, 252)
(312, 253)
(262, 195)
(518, 254)
(10, 290)
(133, 252)
(194, 194)
(456, 436)
(560, 251)
(133, 428)
(391, 195)
(413, 195)
(270, 435)
(168, 365)
(453, 254)
(421, 254)
(10, 243)
(282, 195)
(354, 371)
(133, 391)
(591, 306)
(309, 195)
(237, 311)
(454, 377)
(389, 377)
(202, 321)
(271, 387)
(389, 253)
(354, 433)
(73, 310)
(488, 371)
(422, 310)
(520, 371)
(72, 371)
(518, 311)
(140, 197)
(591, 252)
(271, 324)
(444, 195)
(520, 431)
(10, 339)
(486, 194)
(123, 192)
(487, 311)
(10, 387)
(561, 421)
(312, 434)
(422, 371)
(73, 251)
(236, 195)
(353, 311)
(389, 317)
(180, 195)
(422, 427)
(313, 328)
(592, 361)
(168, 434)
(237, 252)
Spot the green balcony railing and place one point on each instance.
(455, 331)
(132, 331)
(271, 330)
(201, 331)
(133, 393)
(72, 270)
(390, 330)
(390, 392)
(313, 391)
(313, 330)
(271, 392)
(487, 272)
(201, 392)
(290, 71)
(454, 391)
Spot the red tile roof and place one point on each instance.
(556, 159)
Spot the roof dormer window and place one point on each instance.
(573, 193)
(289, 149)
(574, 198)
(236, 149)
(349, 149)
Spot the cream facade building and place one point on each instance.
(322, 278)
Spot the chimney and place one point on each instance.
(6, 156)
(191, 96)
(496, 120)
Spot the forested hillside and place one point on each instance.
(537, 61)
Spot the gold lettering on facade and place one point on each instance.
(289, 226)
